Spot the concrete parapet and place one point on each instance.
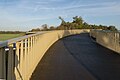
(107, 39)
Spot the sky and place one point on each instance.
(23, 15)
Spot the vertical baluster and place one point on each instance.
(28, 57)
(31, 53)
(18, 52)
(25, 58)
(17, 62)
(35, 43)
(117, 42)
(21, 58)
(117, 38)
(113, 41)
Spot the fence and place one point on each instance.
(20, 56)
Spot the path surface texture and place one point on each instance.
(78, 57)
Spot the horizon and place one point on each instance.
(24, 15)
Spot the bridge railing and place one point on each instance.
(108, 39)
(20, 56)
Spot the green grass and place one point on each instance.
(4, 37)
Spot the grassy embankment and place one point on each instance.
(4, 36)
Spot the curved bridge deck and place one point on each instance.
(78, 57)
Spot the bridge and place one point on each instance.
(62, 55)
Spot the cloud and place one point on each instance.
(30, 11)
(89, 6)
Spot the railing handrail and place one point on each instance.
(14, 40)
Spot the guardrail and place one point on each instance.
(108, 39)
(20, 56)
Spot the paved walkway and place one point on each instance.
(78, 58)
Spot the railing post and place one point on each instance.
(10, 71)
(2, 64)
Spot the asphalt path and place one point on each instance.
(78, 57)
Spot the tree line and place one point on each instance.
(11, 32)
(77, 23)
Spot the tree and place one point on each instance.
(44, 27)
(79, 21)
(63, 24)
(37, 29)
(112, 28)
(52, 28)
(86, 25)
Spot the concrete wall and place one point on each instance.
(25, 53)
(110, 40)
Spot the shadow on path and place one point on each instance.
(78, 58)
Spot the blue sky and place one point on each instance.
(27, 14)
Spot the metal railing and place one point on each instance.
(20, 56)
(13, 56)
